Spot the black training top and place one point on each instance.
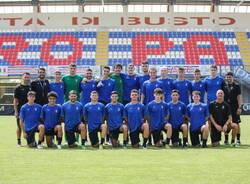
(41, 87)
(220, 112)
(231, 93)
(20, 93)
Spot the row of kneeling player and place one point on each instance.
(154, 119)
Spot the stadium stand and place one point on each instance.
(100, 48)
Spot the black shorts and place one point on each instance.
(235, 117)
(175, 134)
(70, 134)
(156, 135)
(31, 135)
(114, 134)
(93, 136)
(215, 135)
(135, 136)
(195, 137)
(50, 132)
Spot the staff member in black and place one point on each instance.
(220, 116)
(20, 98)
(234, 98)
(41, 87)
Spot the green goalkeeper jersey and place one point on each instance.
(118, 86)
(71, 83)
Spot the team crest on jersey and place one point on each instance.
(186, 84)
(218, 82)
(223, 107)
(200, 109)
(99, 108)
(138, 108)
(179, 108)
(118, 109)
(77, 108)
(200, 85)
(109, 84)
(161, 106)
(93, 85)
(35, 109)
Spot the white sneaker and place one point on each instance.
(144, 147)
(237, 145)
(59, 147)
(39, 146)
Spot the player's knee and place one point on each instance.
(184, 127)
(81, 127)
(145, 126)
(206, 128)
(41, 128)
(125, 128)
(168, 126)
(59, 128)
(234, 126)
(104, 126)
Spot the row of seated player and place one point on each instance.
(176, 34)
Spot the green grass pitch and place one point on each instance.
(174, 166)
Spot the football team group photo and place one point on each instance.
(146, 110)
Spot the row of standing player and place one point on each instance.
(124, 84)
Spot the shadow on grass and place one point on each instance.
(129, 147)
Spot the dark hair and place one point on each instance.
(144, 63)
(118, 65)
(181, 69)
(175, 91)
(213, 66)
(73, 65)
(73, 92)
(52, 94)
(196, 93)
(197, 70)
(134, 91)
(94, 92)
(230, 74)
(41, 68)
(114, 93)
(88, 70)
(25, 73)
(31, 93)
(158, 91)
(106, 67)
